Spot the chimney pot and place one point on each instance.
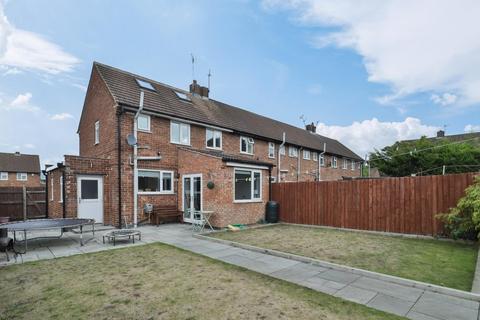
(311, 127)
(198, 90)
(440, 134)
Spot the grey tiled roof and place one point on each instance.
(11, 162)
(163, 100)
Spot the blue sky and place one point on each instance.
(360, 71)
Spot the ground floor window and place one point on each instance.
(248, 185)
(155, 181)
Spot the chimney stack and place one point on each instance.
(198, 90)
(17, 153)
(311, 127)
(440, 134)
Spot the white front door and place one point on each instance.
(192, 196)
(90, 197)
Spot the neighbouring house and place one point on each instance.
(472, 138)
(190, 151)
(18, 170)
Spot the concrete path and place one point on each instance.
(414, 303)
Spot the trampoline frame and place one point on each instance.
(62, 229)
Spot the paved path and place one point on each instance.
(402, 300)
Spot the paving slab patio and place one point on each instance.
(413, 303)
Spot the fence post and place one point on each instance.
(24, 189)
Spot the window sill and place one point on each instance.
(246, 153)
(154, 193)
(271, 157)
(212, 148)
(181, 144)
(144, 131)
(248, 201)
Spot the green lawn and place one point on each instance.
(159, 282)
(438, 262)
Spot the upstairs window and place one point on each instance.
(3, 175)
(61, 189)
(179, 133)
(145, 84)
(322, 160)
(214, 139)
(143, 122)
(22, 176)
(97, 132)
(353, 165)
(154, 181)
(315, 156)
(334, 162)
(306, 154)
(271, 150)
(345, 163)
(51, 189)
(246, 145)
(292, 152)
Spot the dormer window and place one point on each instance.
(145, 84)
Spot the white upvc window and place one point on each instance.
(306, 154)
(213, 139)
(282, 150)
(246, 145)
(51, 189)
(315, 156)
(247, 185)
(22, 176)
(179, 133)
(271, 150)
(292, 152)
(97, 132)
(334, 162)
(353, 165)
(322, 160)
(345, 163)
(4, 176)
(155, 182)
(61, 189)
(143, 122)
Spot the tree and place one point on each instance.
(425, 157)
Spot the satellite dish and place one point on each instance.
(131, 140)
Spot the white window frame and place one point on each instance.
(315, 156)
(51, 190)
(345, 164)
(293, 152)
(213, 131)
(306, 155)
(22, 176)
(353, 165)
(252, 174)
(271, 150)
(4, 176)
(160, 174)
(61, 189)
(180, 125)
(97, 132)
(249, 141)
(148, 129)
(282, 150)
(322, 160)
(334, 162)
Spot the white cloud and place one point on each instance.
(22, 49)
(80, 86)
(412, 46)
(29, 146)
(21, 103)
(61, 116)
(444, 99)
(363, 137)
(471, 128)
(21, 99)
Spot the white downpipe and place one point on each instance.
(319, 163)
(135, 162)
(279, 157)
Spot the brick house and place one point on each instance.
(190, 151)
(18, 170)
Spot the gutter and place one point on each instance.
(135, 161)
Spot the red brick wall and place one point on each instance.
(55, 206)
(33, 180)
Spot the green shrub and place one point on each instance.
(463, 221)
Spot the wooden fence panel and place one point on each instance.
(12, 203)
(403, 205)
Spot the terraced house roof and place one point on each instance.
(167, 100)
(17, 162)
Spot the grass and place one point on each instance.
(438, 262)
(157, 281)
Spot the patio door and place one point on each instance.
(90, 197)
(192, 196)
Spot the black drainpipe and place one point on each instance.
(269, 183)
(119, 163)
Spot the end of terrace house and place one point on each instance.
(142, 141)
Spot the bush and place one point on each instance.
(463, 221)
